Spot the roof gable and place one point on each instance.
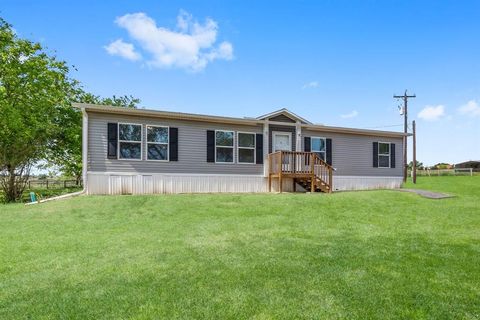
(283, 115)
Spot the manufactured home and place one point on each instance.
(139, 151)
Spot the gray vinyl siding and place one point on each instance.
(278, 128)
(282, 118)
(192, 147)
(353, 154)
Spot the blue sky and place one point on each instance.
(332, 62)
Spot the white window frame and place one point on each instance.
(274, 133)
(232, 147)
(324, 143)
(254, 148)
(129, 141)
(384, 155)
(167, 143)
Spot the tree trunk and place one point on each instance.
(13, 184)
(10, 193)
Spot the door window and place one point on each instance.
(282, 142)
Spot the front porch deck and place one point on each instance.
(305, 168)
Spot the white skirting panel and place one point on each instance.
(131, 183)
(341, 183)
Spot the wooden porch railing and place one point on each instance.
(303, 165)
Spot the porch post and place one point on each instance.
(265, 148)
(280, 170)
(312, 174)
(84, 150)
(298, 141)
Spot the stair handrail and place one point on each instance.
(329, 168)
(323, 162)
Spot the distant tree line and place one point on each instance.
(438, 166)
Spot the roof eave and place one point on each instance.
(164, 114)
(366, 132)
(219, 119)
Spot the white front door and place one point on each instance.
(282, 141)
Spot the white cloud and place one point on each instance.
(432, 113)
(352, 114)
(191, 45)
(123, 49)
(311, 84)
(471, 109)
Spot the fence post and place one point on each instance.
(47, 183)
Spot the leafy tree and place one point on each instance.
(419, 165)
(442, 165)
(115, 101)
(37, 121)
(35, 89)
(65, 150)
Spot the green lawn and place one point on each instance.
(355, 255)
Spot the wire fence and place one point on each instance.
(53, 184)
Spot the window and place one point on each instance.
(224, 146)
(246, 147)
(383, 155)
(130, 141)
(318, 145)
(157, 143)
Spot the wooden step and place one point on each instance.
(320, 185)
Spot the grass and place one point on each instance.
(355, 255)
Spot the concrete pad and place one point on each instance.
(427, 194)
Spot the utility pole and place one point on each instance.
(405, 98)
(414, 167)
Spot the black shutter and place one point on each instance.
(306, 144)
(210, 146)
(329, 151)
(112, 139)
(392, 155)
(259, 147)
(375, 154)
(173, 144)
